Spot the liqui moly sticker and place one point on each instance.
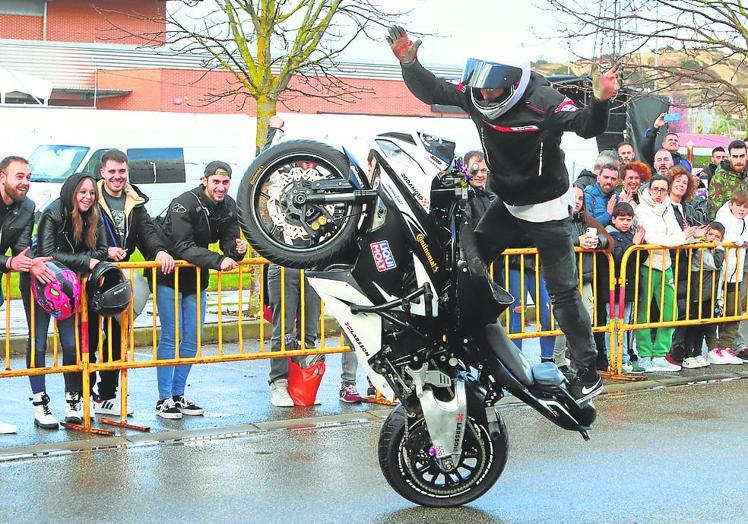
(382, 254)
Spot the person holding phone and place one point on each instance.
(669, 143)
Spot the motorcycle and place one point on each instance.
(392, 253)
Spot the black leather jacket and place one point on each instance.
(55, 236)
(523, 146)
(15, 231)
(193, 222)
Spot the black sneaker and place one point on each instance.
(586, 384)
(186, 407)
(165, 408)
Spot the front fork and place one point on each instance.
(445, 420)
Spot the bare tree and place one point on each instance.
(693, 47)
(275, 50)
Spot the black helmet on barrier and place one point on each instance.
(108, 290)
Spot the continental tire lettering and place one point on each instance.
(256, 175)
(354, 336)
(421, 239)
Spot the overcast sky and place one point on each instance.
(465, 27)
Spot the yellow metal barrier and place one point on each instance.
(246, 307)
(689, 317)
(598, 325)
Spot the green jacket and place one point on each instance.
(723, 184)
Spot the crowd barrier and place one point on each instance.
(615, 326)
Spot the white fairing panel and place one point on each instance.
(419, 308)
(364, 331)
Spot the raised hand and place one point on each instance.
(604, 86)
(402, 46)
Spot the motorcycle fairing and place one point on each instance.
(339, 291)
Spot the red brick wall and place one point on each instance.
(21, 27)
(98, 20)
(187, 90)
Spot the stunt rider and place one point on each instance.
(520, 119)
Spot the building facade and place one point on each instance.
(87, 50)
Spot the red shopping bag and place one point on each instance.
(303, 383)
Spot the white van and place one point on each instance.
(167, 152)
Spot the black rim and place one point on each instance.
(283, 222)
(423, 473)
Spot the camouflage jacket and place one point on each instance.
(723, 184)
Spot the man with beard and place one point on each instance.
(16, 225)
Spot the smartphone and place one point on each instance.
(672, 117)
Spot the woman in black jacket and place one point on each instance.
(72, 233)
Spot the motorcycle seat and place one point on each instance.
(547, 374)
(508, 354)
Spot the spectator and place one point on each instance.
(670, 143)
(602, 197)
(581, 221)
(286, 305)
(128, 226)
(476, 164)
(706, 264)
(634, 175)
(588, 178)
(656, 215)
(729, 177)
(189, 230)
(626, 152)
(16, 225)
(682, 190)
(663, 161)
(626, 235)
(706, 174)
(731, 215)
(71, 232)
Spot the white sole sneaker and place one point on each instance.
(110, 407)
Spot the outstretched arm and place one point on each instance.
(420, 81)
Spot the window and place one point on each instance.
(156, 165)
(54, 163)
(22, 7)
(94, 163)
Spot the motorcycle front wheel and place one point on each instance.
(414, 474)
(274, 216)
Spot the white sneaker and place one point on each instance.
(74, 407)
(43, 417)
(719, 357)
(703, 362)
(7, 429)
(661, 365)
(691, 363)
(109, 407)
(279, 396)
(734, 359)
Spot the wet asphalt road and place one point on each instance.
(665, 455)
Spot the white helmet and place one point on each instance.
(510, 72)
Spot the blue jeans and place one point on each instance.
(66, 330)
(172, 379)
(542, 304)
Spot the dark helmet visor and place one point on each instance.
(489, 75)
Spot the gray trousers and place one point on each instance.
(290, 298)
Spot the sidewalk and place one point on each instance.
(236, 398)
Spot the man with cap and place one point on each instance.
(128, 227)
(194, 220)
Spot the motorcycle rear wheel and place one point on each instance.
(416, 476)
(291, 235)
